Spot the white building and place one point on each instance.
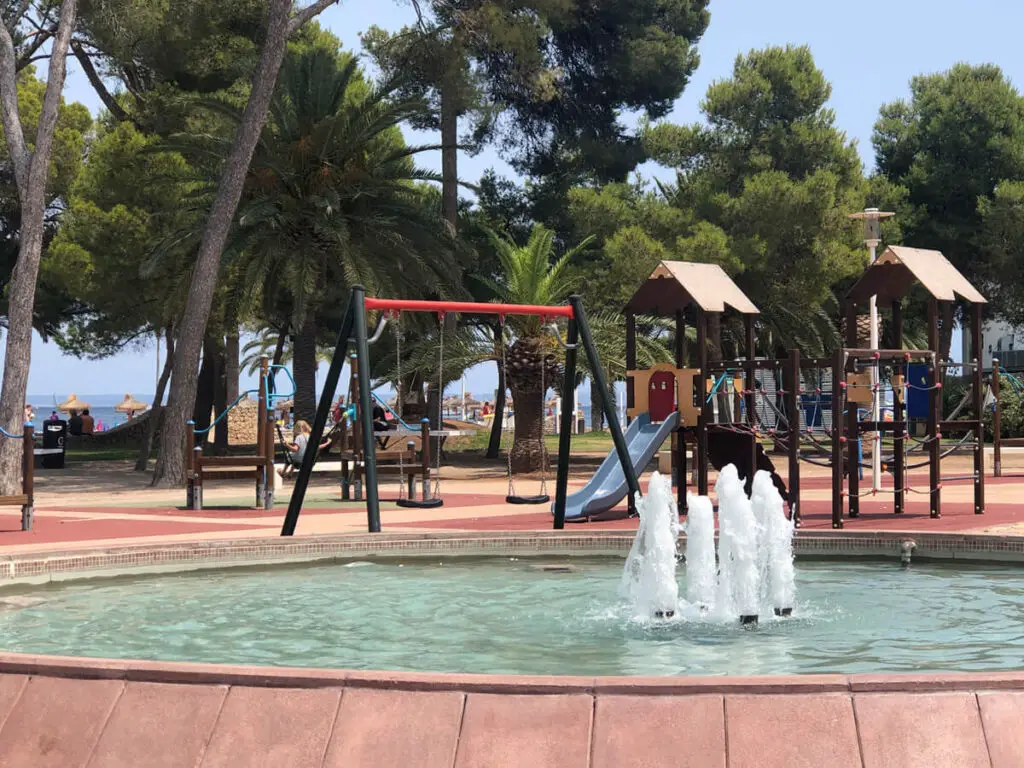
(1000, 341)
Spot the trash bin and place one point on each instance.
(54, 439)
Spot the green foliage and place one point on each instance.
(126, 199)
(951, 145)
(530, 274)
(767, 184)
(53, 303)
(1002, 248)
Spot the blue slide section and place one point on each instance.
(608, 485)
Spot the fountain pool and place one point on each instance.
(503, 615)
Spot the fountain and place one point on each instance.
(701, 582)
(649, 577)
(755, 553)
(738, 582)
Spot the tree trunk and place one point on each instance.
(282, 337)
(157, 411)
(220, 396)
(449, 155)
(170, 467)
(31, 171)
(232, 355)
(202, 408)
(304, 368)
(525, 359)
(596, 412)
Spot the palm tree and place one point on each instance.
(333, 198)
(530, 275)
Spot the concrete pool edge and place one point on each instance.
(72, 711)
(61, 564)
(191, 673)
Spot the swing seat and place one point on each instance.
(541, 498)
(415, 504)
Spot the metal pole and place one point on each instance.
(876, 453)
(997, 441)
(899, 416)
(366, 409)
(568, 405)
(979, 413)
(934, 409)
(609, 407)
(853, 436)
(323, 409)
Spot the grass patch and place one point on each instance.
(588, 441)
(103, 453)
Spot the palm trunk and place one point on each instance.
(157, 411)
(170, 467)
(202, 407)
(282, 337)
(494, 443)
(304, 365)
(525, 359)
(714, 320)
(449, 155)
(31, 172)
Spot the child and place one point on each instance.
(298, 448)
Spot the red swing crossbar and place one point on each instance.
(468, 307)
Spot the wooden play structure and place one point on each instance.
(25, 499)
(890, 278)
(200, 469)
(689, 292)
(723, 397)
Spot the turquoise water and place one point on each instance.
(509, 616)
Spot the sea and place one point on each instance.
(101, 407)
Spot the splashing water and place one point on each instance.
(754, 569)
(778, 538)
(738, 582)
(649, 577)
(701, 581)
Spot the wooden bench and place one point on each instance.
(25, 499)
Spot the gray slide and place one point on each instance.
(608, 485)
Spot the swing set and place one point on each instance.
(354, 331)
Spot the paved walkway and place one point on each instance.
(92, 504)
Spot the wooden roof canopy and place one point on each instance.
(895, 271)
(675, 285)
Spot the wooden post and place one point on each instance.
(838, 376)
(190, 465)
(997, 440)
(853, 439)
(630, 361)
(425, 457)
(679, 436)
(793, 434)
(934, 407)
(750, 396)
(979, 408)
(705, 410)
(898, 417)
(28, 468)
(261, 432)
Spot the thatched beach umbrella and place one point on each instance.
(73, 404)
(283, 406)
(130, 405)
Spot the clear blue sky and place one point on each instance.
(868, 52)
